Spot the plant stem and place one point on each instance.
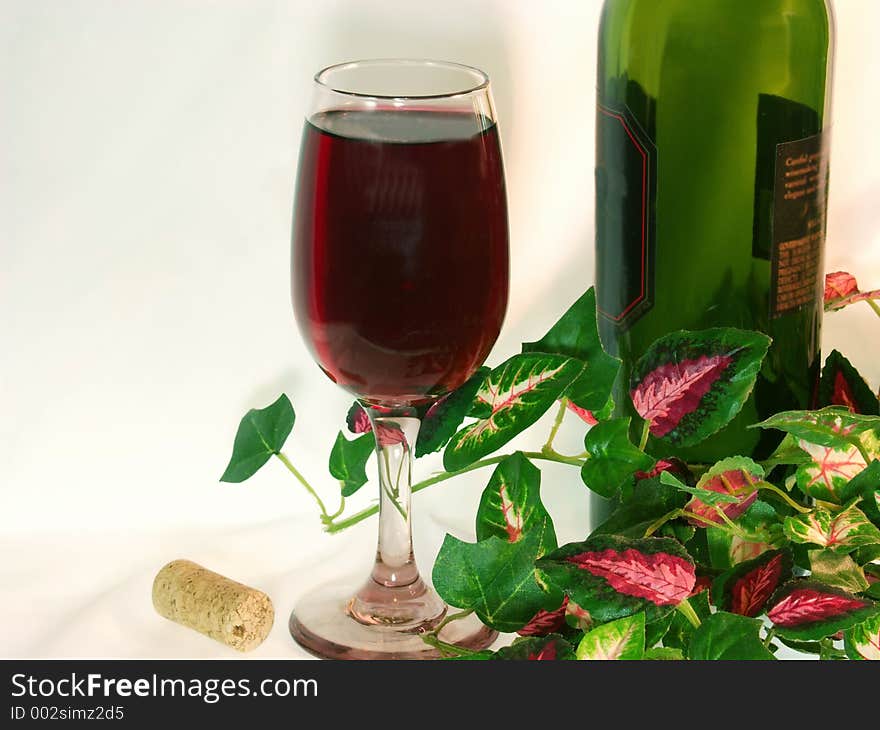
(447, 649)
(686, 610)
(302, 480)
(646, 431)
(449, 619)
(857, 442)
(658, 523)
(769, 638)
(873, 305)
(560, 414)
(767, 486)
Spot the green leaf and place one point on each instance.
(261, 433)
(576, 335)
(648, 501)
(511, 398)
(494, 578)
(348, 461)
(446, 415)
(613, 458)
(842, 385)
(787, 453)
(538, 648)
(511, 503)
(728, 636)
(746, 588)
(807, 610)
(664, 653)
(612, 577)
(689, 385)
(681, 631)
(837, 570)
(841, 531)
(620, 639)
(863, 641)
(833, 426)
(727, 550)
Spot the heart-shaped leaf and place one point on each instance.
(841, 531)
(348, 461)
(511, 503)
(261, 433)
(494, 577)
(689, 385)
(807, 610)
(829, 470)
(838, 570)
(746, 588)
(511, 398)
(863, 641)
(446, 415)
(832, 426)
(613, 458)
(612, 577)
(728, 636)
(620, 639)
(841, 385)
(545, 648)
(576, 335)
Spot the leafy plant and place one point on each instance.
(721, 561)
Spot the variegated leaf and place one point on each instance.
(829, 470)
(838, 570)
(511, 503)
(863, 641)
(833, 426)
(746, 588)
(544, 648)
(620, 639)
(546, 622)
(444, 417)
(612, 577)
(842, 385)
(688, 385)
(807, 610)
(841, 531)
(735, 479)
(842, 289)
(512, 397)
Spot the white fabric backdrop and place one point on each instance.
(148, 153)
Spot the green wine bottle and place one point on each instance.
(711, 180)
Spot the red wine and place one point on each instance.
(400, 262)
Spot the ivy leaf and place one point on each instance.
(829, 470)
(806, 610)
(612, 577)
(494, 577)
(648, 501)
(863, 641)
(728, 636)
(746, 588)
(511, 503)
(689, 385)
(833, 426)
(620, 639)
(837, 570)
(544, 648)
(446, 415)
(841, 385)
(348, 461)
(613, 458)
(576, 335)
(510, 399)
(845, 530)
(261, 433)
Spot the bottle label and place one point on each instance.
(798, 226)
(626, 179)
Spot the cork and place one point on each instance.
(227, 611)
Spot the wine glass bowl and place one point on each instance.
(400, 280)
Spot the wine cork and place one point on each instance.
(232, 613)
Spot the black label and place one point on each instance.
(798, 227)
(626, 178)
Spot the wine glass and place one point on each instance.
(399, 278)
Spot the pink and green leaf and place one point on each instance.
(829, 470)
(510, 399)
(613, 458)
(544, 648)
(546, 622)
(689, 385)
(862, 642)
(842, 289)
(807, 610)
(746, 588)
(511, 503)
(834, 426)
(443, 418)
(612, 577)
(840, 531)
(842, 385)
(621, 639)
(728, 487)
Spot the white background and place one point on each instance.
(147, 158)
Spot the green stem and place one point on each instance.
(873, 305)
(302, 480)
(646, 431)
(769, 638)
(658, 523)
(339, 511)
(560, 415)
(686, 610)
(767, 486)
(447, 649)
(862, 450)
(449, 619)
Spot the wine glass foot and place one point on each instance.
(324, 625)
